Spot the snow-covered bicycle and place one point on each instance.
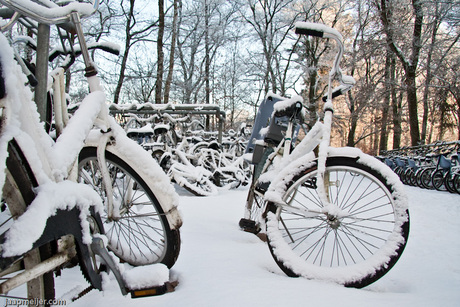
(333, 214)
(55, 191)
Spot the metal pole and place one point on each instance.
(41, 72)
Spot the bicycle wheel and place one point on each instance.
(437, 180)
(418, 179)
(354, 247)
(456, 183)
(425, 178)
(17, 195)
(403, 176)
(413, 178)
(449, 182)
(141, 234)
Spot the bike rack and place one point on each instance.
(182, 109)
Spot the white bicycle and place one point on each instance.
(333, 214)
(59, 196)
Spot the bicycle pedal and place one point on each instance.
(249, 226)
(154, 291)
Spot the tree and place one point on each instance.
(199, 39)
(409, 63)
(135, 32)
(176, 7)
(266, 18)
(160, 52)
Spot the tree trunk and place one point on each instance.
(160, 52)
(409, 65)
(396, 106)
(172, 52)
(412, 105)
(124, 60)
(207, 65)
(353, 121)
(383, 145)
(429, 75)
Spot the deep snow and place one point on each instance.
(219, 265)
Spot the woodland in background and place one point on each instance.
(404, 55)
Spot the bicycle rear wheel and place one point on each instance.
(17, 195)
(355, 247)
(141, 234)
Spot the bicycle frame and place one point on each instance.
(320, 134)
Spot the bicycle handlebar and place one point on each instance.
(49, 12)
(322, 31)
(317, 30)
(104, 46)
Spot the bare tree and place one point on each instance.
(198, 42)
(134, 33)
(265, 18)
(409, 63)
(160, 52)
(176, 7)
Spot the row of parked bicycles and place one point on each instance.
(433, 166)
(191, 156)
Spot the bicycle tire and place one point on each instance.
(147, 237)
(17, 195)
(406, 176)
(425, 178)
(456, 183)
(437, 180)
(413, 178)
(449, 182)
(375, 227)
(418, 180)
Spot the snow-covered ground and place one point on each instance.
(219, 265)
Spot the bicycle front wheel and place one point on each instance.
(356, 245)
(141, 234)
